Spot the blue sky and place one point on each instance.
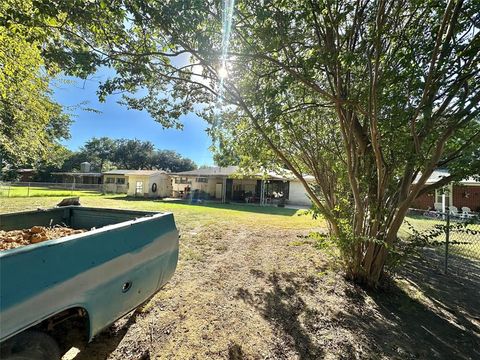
(116, 121)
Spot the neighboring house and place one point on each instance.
(464, 193)
(83, 177)
(115, 181)
(78, 178)
(26, 175)
(225, 184)
(148, 183)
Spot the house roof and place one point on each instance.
(438, 174)
(144, 172)
(232, 170)
(210, 171)
(117, 172)
(94, 174)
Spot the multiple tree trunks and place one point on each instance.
(18, 238)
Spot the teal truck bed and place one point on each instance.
(100, 275)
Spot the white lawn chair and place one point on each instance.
(438, 207)
(453, 211)
(467, 213)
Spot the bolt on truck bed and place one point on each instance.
(103, 273)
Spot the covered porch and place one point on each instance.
(256, 191)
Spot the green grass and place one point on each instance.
(188, 216)
(35, 191)
(471, 241)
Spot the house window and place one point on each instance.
(201, 180)
(109, 180)
(139, 187)
(121, 181)
(181, 180)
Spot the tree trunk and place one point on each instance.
(370, 271)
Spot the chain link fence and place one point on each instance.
(451, 239)
(35, 189)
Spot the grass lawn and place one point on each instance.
(36, 191)
(188, 215)
(251, 285)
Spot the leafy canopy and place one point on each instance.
(31, 123)
(366, 96)
(105, 154)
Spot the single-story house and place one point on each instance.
(78, 178)
(26, 175)
(83, 177)
(226, 184)
(148, 183)
(115, 181)
(464, 193)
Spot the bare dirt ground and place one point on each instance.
(250, 285)
(258, 292)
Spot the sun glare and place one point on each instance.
(222, 72)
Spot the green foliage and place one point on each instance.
(362, 95)
(107, 154)
(30, 122)
(99, 150)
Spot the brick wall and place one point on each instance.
(466, 196)
(425, 201)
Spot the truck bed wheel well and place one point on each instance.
(69, 327)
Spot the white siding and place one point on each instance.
(112, 184)
(297, 194)
(208, 187)
(164, 185)
(180, 187)
(132, 183)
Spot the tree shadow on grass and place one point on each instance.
(408, 329)
(394, 324)
(235, 352)
(457, 291)
(430, 316)
(282, 306)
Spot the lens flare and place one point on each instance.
(222, 72)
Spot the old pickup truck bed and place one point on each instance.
(105, 272)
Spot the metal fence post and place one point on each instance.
(447, 239)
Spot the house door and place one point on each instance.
(229, 190)
(139, 188)
(218, 191)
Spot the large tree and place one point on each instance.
(106, 153)
(368, 96)
(100, 150)
(171, 161)
(31, 123)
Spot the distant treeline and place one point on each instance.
(106, 154)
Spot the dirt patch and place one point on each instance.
(260, 293)
(18, 238)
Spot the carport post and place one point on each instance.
(224, 190)
(262, 192)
